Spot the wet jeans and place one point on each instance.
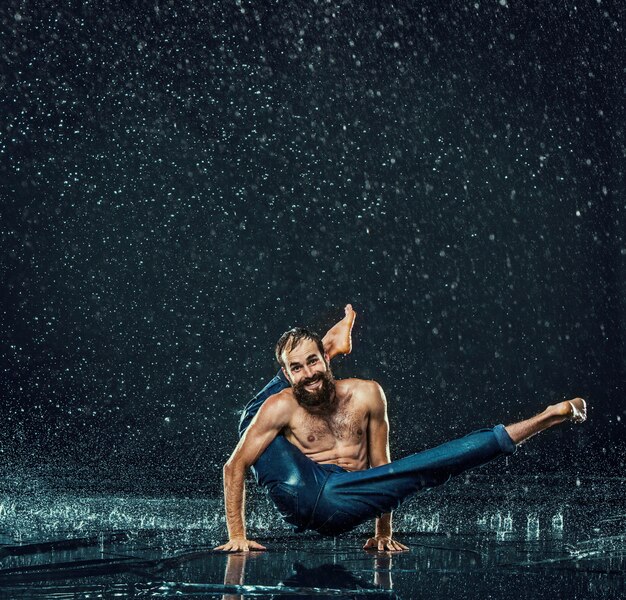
(331, 500)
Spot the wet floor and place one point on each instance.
(550, 537)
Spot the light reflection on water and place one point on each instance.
(80, 546)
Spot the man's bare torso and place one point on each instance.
(340, 439)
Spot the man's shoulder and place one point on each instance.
(365, 387)
(370, 396)
(282, 400)
(278, 407)
(362, 382)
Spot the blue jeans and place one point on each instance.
(331, 500)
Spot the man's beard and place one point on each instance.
(321, 402)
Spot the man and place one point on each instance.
(321, 446)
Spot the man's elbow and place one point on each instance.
(234, 465)
(229, 467)
(378, 462)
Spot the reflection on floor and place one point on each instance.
(546, 538)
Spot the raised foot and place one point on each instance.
(573, 410)
(338, 339)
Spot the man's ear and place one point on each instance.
(285, 374)
(327, 358)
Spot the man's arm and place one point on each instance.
(264, 427)
(378, 452)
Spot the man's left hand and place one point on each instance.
(384, 543)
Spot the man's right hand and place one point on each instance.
(240, 544)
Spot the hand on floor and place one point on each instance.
(384, 543)
(240, 545)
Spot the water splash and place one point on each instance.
(532, 526)
(557, 523)
(425, 523)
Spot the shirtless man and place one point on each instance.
(321, 446)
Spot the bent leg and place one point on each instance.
(338, 340)
(350, 498)
(293, 480)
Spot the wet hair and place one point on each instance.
(290, 339)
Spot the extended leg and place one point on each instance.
(350, 498)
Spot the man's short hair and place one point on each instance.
(291, 338)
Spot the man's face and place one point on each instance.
(310, 375)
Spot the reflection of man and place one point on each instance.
(330, 578)
(330, 469)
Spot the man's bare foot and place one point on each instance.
(569, 410)
(572, 410)
(338, 339)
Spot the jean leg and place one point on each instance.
(350, 498)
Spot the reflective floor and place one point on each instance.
(551, 537)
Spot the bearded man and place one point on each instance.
(321, 446)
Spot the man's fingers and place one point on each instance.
(393, 546)
(385, 545)
(230, 547)
(227, 548)
(256, 546)
(240, 547)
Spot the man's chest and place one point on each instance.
(346, 426)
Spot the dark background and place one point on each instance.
(183, 181)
